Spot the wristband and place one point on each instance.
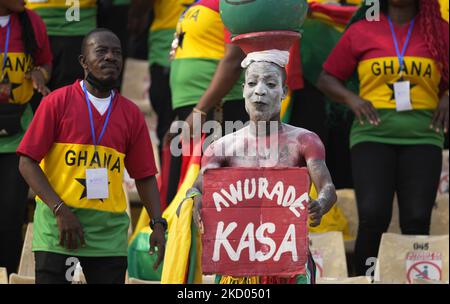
(57, 207)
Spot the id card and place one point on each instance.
(97, 183)
(402, 96)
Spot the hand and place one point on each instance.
(196, 214)
(364, 109)
(38, 80)
(440, 117)
(315, 213)
(197, 132)
(158, 239)
(70, 229)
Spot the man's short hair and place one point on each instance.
(91, 33)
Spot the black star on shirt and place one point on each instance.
(82, 181)
(391, 87)
(14, 85)
(181, 39)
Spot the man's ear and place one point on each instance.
(82, 61)
(285, 91)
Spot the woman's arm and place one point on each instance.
(336, 91)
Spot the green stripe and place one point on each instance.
(105, 233)
(398, 128)
(9, 144)
(140, 262)
(159, 46)
(57, 25)
(192, 255)
(190, 78)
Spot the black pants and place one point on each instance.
(379, 171)
(66, 67)
(53, 268)
(161, 100)
(13, 204)
(231, 111)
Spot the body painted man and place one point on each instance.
(264, 89)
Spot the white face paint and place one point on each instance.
(263, 91)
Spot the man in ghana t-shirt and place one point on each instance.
(73, 156)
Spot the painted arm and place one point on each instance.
(149, 194)
(326, 191)
(212, 159)
(336, 91)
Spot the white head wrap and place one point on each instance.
(280, 58)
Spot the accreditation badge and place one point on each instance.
(97, 183)
(402, 96)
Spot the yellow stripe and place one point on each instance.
(35, 4)
(167, 13)
(285, 104)
(16, 66)
(444, 9)
(65, 167)
(202, 34)
(375, 76)
(178, 245)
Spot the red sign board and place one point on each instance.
(255, 221)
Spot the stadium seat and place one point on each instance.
(440, 215)
(3, 276)
(403, 258)
(424, 282)
(347, 203)
(329, 254)
(26, 265)
(17, 279)
(137, 281)
(136, 82)
(353, 280)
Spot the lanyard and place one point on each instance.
(401, 55)
(91, 119)
(5, 56)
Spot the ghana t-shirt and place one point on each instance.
(59, 137)
(202, 38)
(59, 16)
(166, 14)
(368, 48)
(17, 64)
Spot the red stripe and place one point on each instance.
(340, 14)
(212, 4)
